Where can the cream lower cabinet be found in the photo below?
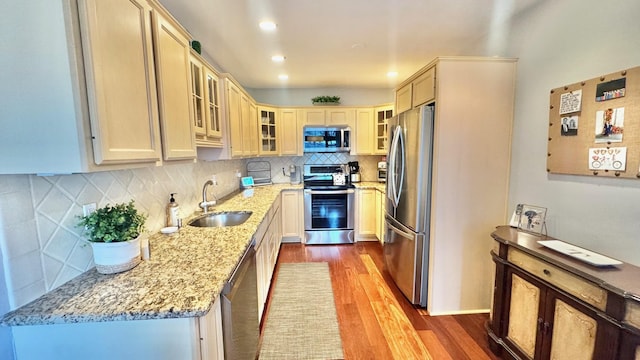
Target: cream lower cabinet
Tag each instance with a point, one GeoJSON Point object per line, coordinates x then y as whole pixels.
{"type": "Point", "coordinates": [292, 216]}
{"type": "Point", "coordinates": [268, 240]}
{"type": "Point", "coordinates": [380, 210]}
{"type": "Point", "coordinates": [162, 339]}
{"type": "Point", "coordinates": [172, 53]}
{"type": "Point", "coordinates": [366, 224]}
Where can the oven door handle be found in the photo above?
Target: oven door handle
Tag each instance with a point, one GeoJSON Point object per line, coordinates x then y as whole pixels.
{"type": "Point", "coordinates": [329, 192]}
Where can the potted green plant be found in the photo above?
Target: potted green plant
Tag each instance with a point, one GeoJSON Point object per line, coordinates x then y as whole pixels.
{"type": "Point", "coordinates": [326, 100]}
{"type": "Point", "coordinates": [114, 234]}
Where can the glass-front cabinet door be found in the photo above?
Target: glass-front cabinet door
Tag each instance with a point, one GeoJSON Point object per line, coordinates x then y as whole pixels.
{"type": "Point", "coordinates": [267, 125]}
{"type": "Point", "coordinates": [205, 103]}
{"type": "Point", "coordinates": [214, 128]}
{"type": "Point", "coordinates": [382, 116]}
{"type": "Point", "coordinates": [197, 96]}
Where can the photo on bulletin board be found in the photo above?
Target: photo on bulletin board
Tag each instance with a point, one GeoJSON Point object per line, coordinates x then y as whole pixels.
{"type": "Point", "coordinates": [611, 89]}
{"type": "Point", "coordinates": [569, 126]}
{"type": "Point", "coordinates": [532, 219]}
{"type": "Point", "coordinates": [609, 125]}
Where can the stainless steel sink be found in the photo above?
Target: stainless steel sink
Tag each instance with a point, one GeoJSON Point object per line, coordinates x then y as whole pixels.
{"type": "Point", "coordinates": [221, 219]}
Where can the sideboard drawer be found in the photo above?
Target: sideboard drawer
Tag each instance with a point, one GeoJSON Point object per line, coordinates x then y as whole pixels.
{"type": "Point", "coordinates": [582, 289]}
{"type": "Point", "coordinates": [632, 313]}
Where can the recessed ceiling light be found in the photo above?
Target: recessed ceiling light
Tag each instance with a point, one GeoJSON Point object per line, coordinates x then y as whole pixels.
{"type": "Point", "coordinates": [277, 58]}
{"type": "Point", "coordinates": [268, 25]}
{"type": "Point", "coordinates": [392, 74]}
{"type": "Point", "coordinates": [283, 76]}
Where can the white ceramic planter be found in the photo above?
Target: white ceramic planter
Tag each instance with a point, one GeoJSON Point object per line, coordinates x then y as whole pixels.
{"type": "Point", "coordinates": [115, 257]}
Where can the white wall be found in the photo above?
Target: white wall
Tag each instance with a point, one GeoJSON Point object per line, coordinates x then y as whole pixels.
{"type": "Point", "coordinates": [560, 43]}
{"type": "Point", "coordinates": [302, 97]}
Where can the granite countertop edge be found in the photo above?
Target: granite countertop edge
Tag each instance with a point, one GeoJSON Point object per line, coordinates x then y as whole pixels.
{"type": "Point", "coordinates": [183, 277]}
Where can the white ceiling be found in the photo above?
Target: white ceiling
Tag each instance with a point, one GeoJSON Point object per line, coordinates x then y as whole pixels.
{"type": "Point", "coordinates": [341, 43]}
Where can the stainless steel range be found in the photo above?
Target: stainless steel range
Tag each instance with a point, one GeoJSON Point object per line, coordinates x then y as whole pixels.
{"type": "Point", "coordinates": [328, 205]}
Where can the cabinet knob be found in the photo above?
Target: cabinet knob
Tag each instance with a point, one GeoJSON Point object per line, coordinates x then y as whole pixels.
{"type": "Point", "coordinates": [546, 272]}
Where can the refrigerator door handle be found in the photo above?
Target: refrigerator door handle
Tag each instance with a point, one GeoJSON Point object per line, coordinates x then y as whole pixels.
{"type": "Point", "coordinates": [401, 148]}
{"type": "Point", "coordinates": [401, 233]}
{"type": "Point", "coordinates": [393, 151]}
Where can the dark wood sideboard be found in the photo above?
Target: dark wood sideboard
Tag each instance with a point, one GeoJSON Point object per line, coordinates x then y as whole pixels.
{"type": "Point", "coordinates": [547, 305]}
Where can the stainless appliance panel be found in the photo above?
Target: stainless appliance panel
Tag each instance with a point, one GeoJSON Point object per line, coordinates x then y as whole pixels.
{"type": "Point", "coordinates": [326, 139]}
{"type": "Point", "coordinates": [408, 207]}
{"type": "Point", "coordinates": [329, 216]}
{"type": "Point", "coordinates": [240, 322]}
{"type": "Point", "coordinates": [409, 168]}
{"type": "Point", "coordinates": [404, 254]}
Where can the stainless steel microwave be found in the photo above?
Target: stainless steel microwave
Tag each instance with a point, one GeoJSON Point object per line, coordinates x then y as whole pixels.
{"type": "Point", "coordinates": [327, 139]}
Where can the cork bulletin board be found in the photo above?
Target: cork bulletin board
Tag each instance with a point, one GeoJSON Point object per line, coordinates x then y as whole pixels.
{"type": "Point", "coordinates": [594, 127]}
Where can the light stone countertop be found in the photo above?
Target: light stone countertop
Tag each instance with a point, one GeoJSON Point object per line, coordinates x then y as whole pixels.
{"type": "Point", "coordinates": [184, 275]}
{"type": "Point", "coordinates": [371, 185]}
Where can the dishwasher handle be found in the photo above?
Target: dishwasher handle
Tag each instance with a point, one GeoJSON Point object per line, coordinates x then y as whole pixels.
{"type": "Point", "coordinates": [239, 270]}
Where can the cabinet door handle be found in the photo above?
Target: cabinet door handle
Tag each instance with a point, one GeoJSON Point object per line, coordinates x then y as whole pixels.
{"type": "Point", "coordinates": [540, 324]}
{"type": "Point", "coordinates": [547, 328]}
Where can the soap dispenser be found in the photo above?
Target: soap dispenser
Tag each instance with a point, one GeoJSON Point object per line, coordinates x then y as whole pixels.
{"type": "Point", "coordinates": [173, 212]}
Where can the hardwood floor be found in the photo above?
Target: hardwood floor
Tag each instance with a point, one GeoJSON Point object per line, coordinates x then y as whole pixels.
{"type": "Point", "coordinates": [376, 320]}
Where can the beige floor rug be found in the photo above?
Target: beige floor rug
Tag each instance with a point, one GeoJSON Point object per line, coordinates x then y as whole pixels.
{"type": "Point", "coordinates": [302, 321]}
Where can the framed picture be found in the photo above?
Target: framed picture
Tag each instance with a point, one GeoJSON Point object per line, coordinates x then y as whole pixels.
{"type": "Point", "coordinates": [532, 219]}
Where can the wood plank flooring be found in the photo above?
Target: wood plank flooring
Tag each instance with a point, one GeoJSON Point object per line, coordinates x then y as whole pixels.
{"type": "Point", "coordinates": [376, 320]}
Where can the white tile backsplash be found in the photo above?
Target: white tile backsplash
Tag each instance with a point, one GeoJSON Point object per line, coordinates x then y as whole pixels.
{"type": "Point", "coordinates": [41, 245]}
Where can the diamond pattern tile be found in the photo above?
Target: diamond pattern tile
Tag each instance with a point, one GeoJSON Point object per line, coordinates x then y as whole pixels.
{"type": "Point", "coordinates": [54, 251]}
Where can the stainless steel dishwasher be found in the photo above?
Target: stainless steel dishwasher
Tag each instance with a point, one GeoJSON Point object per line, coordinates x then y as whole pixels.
{"type": "Point", "coordinates": [240, 309]}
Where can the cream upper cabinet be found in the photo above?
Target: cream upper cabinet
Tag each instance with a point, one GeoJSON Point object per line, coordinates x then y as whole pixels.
{"type": "Point", "coordinates": [121, 88]}
{"type": "Point", "coordinates": [174, 87]}
{"type": "Point", "coordinates": [242, 121]}
{"type": "Point", "coordinates": [364, 131]}
{"type": "Point", "coordinates": [252, 120]}
{"type": "Point", "coordinates": [424, 88]}
{"type": "Point", "coordinates": [234, 118]}
{"type": "Point", "coordinates": [268, 130]}
{"type": "Point", "coordinates": [205, 103]}
{"type": "Point", "coordinates": [403, 98]}
{"type": "Point", "coordinates": [418, 90]}
{"type": "Point", "coordinates": [337, 116]}
{"type": "Point", "coordinates": [290, 133]}
{"type": "Point", "coordinates": [381, 115]}
{"type": "Point", "coordinates": [197, 95]}
{"type": "Point", "coordinates": [99, 86]}
{"type": "Point", "coordinates": [212, 107]}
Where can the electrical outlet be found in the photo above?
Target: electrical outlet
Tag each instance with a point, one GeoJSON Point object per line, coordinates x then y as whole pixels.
{"type": "Point", "coordinates": [88, 208]}
{"type": "Point", "coordinates": [214, 179]}
{"type": "Point", "coordinates": [238, 173]}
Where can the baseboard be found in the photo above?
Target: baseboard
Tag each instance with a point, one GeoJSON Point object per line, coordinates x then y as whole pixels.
{"type": "Point", "coordinates": [460, 312]}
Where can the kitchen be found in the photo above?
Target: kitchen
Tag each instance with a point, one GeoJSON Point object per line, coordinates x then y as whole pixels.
{"type": "Point", "coordinates": [541, 39]}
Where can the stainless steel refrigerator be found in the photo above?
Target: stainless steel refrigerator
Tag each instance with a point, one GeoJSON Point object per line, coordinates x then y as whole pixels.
{"type": "Point", "coordinates": [406, 245]}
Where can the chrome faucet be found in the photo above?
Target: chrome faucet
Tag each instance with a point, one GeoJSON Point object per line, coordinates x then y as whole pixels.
{"type": "Point", "coordinates": [205, 203]}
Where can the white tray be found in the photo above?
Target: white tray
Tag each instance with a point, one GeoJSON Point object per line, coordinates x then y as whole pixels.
{"type": "Point", "coordinates": [579, 253]}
